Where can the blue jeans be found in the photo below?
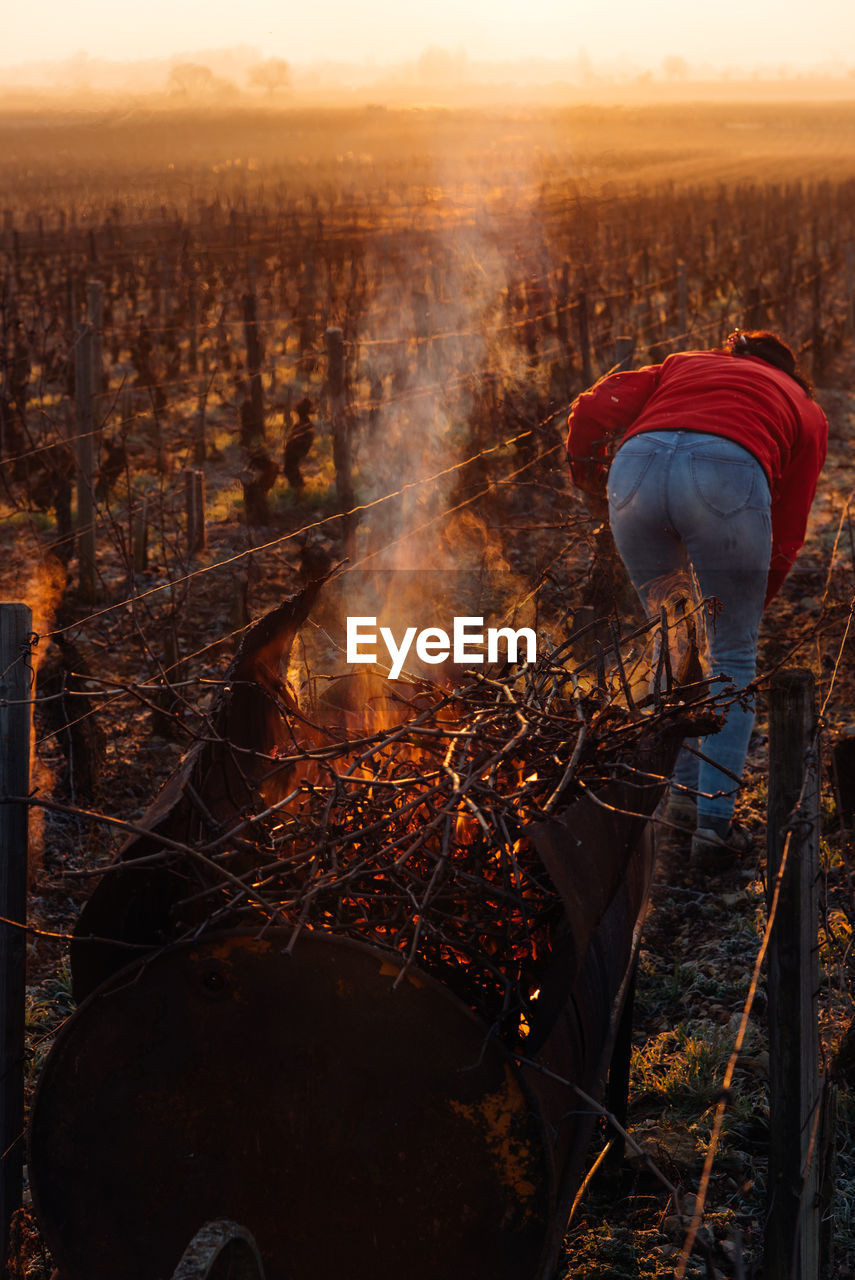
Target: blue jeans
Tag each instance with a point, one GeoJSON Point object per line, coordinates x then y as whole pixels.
{"type": "Point", "coordinates": [685, 500]}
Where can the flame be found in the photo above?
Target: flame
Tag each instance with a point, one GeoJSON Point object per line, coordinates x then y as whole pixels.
{"type": "Point", "coordinates": [40, 589]}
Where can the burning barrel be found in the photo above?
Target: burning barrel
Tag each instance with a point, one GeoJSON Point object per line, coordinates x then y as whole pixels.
{"type": "Point", "coordinates": [365, 1049]}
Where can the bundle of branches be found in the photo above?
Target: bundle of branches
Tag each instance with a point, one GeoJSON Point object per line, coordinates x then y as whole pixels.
{"type": "Point", "coordinates": [415, 818]}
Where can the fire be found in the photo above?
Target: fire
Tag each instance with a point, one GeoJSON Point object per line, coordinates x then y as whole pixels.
{"type": "Point", "coordinates": [40, 589]}
{"type": "Point", "coordinates": [395, 813]}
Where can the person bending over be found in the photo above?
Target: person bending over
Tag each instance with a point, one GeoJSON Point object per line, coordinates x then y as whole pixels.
{"type": "Point", "coordinates": [716, 458]}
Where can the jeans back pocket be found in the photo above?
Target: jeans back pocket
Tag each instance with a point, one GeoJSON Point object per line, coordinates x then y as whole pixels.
{"type": "Point", "coordinates": [725, 485]}
{"type": "Point", "coordinates": [627, 472]}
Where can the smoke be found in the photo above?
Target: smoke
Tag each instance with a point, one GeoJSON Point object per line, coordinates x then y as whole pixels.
{"type": "Point", "coordinates": [435, 354]}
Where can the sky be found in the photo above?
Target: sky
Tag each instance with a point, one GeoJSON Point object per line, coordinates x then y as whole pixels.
{"type": "Point", "coordinates": [727, 33]}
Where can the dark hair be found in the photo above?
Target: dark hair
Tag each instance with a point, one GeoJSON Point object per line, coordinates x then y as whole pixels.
{"type": "Point", "coordinates": [764, 345]}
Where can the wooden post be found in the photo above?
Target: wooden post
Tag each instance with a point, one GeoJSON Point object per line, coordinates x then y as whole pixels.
{"type": "Point", "coordinates": [126, 409]}
{"type": "Point", "coordinates": [64, 544]}
{"type": "Point", "coordinates": [164, 719]}
{"type": "Point", "coordinates": [85, 464]}
{"type": "Point", "coordinates": [817, 345]}
{"type": "Point", "coordinates": [163, 301]}
{"type": "Point", "coordinates": [193, 308]}
{"type": "Point", "coordinates": [421, 321]}
{"type": "Point", "coordinates": [561, 308]}
{"type": "Point", "coordinates": [682, 301]}
{"type": "Point", "coordinates": [584, 337]}
{"type": "Point", "coordinates": [792, 1224]}
{"type": "Point", "coordinates": [334, 340]}
{"type": "Point", "coordinates": [95, 304]}
{"type": "Point", "coordinates": [9, 291]}
{"type": "Point", "coordinates": [755, 313]}
{"type": "Point", "coordinates": [71, 298]}
{"type": "Point", "coordinates": [252, 430]}
{"type": "Point", "coordinates": [624, 350]}
{"type": "Point", "coordinates": [194, 500]}
{"type": "Point", "coordinates": [533, 302]}
{"type": "Point", "coordinates": [16, 624]}
{"type": "Point", "coordinates": [200, 448]}
{"type": "Point", "coordinates": [140, 536]}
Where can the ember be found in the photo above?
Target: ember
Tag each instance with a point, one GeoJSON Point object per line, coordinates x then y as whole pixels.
{"type": "Point", "coordinates": [400, 813]}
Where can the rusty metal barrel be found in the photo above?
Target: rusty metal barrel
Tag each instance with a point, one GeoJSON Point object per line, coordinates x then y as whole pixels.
{"type": "Point", "coordinates": [353, 1123]}
{"type": "Point", "coordinates": [343, 1106]}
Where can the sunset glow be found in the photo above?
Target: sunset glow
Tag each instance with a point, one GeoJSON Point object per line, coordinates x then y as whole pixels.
{"type": "Point", "coordinates": [732, 35]}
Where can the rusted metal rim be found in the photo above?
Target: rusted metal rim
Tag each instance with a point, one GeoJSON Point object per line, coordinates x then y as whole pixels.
{"type": "Point", "coordinates": [352, 1124]}
{"type": "Point", "coordinates": [220, 1249]}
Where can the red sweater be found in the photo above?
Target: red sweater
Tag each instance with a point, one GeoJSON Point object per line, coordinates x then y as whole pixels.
{"type": "Point", "coordinates": [739, 397]}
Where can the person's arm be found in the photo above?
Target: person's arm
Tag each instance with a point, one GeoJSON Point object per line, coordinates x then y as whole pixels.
{"type": "Point", "coordinates": [792, 501]}
{"type": "Point", "coordinates": [599, 417]}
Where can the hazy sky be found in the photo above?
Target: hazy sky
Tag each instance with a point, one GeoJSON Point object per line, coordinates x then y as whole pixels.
{"type": "Point", "coordinates": [741, 33]}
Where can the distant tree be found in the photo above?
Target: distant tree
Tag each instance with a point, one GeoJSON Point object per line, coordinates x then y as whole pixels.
{"type": "Point", "coordinates": [583, 67]}
{"type": "Point", "coordinates": [440, 67]}
{"type": "Point", "coordinates": [675, 67]}
{"type": "Point", "coordinates": [195, 80]}
{"type": "Point", "coordinates": [273, 74]}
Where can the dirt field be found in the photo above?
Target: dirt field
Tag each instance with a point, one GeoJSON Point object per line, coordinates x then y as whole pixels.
{"type": "Point", "coordinates": [435, 240]}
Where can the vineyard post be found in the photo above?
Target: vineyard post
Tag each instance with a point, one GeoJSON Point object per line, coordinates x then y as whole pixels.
{"type": "Point", "coordinates": [192, 304]}
{"type": "Point", "coordinates": [200, 449]}
{"type": "Point", "coordinates": [252, 432]}
{"type": "Point", "coordinates": [71, 300]}
{"type": "Point", "coordinates": [139, 538]}
{"type": "Point", "coordinates": [162, 289]}
{"type": "Point", "coordinates": [126, 409]}
{"type": "Point", "coordinates": [644, 267]}
{"type": "Point", "coordinates": [816, 341]}
{"type": "Point", "coordinates": [562, 303]}
{"type": "Point", "coordinates": [850, 286]}
{"type": "Point", "coordinates": [85, 464]}
{"type": "Point", "coordinates": [62, 488]}
{"type": "Point", "coordinates": [421, 318]}
{"type": "Point", "coordinates": [194, 500]}
{"type": "Point", "coordinates": [624, 351]}
{"type": "Point", "coordinates": [792, 1224]}
{"type": "Point", "coordinates": [16, 624]}
{"type": "Point", "coordinates": [584, 337]}
{"type": "Point", "coordinates": [682, 301]}
{"type": "Point", "coordinates": [334, 341]}
{"type": "Point", "coordinates": [9, 289]}
{"type": "Point", "coordinates": [95, 305]}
